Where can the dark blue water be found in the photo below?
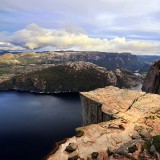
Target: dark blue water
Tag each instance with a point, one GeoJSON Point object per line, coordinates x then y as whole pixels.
{"type": "Point", "coordinates": [30, 124]}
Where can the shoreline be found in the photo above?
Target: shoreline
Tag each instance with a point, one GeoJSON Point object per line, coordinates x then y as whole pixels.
{"type": "Point", "coordinates": [57, 92]}
{"type": "Point", "coordinates": [39, 93]}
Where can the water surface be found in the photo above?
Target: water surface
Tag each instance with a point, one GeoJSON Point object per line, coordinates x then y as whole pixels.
{"type": "Point", "coordinates": [30, 124]}
{"type": "Point", "coordinates": [137, 88]}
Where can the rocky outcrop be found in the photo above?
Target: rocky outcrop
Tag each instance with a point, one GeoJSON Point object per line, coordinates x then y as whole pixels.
{"type": "Point", "coordinates": [132, 134]}
{"type": "Point", "coordinates": [66, 77]}
{"type": "Point", "coordinates": [93, 112]}
{"type": "Point", "coordinates": [152, 81]}
{"type": "Point", "coordinates": [127, 79]}
{"type": "Point", "coordinates": [108, 101]}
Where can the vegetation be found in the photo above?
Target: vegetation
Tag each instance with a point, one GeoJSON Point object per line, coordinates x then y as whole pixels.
{"type": "Point", "coordinates": [63, 78]}
{"type": "Point", "coordinates": [1, 74]}
{"type": "Point", "coordinates": [147, 145]}
{"type": "Point", "coordinates": [79, 133]}
{"type": "Point", "coordinates": [155, 141]}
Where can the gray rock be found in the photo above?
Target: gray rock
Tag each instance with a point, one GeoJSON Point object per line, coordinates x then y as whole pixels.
{"type": "Point", "coordinates": [132, 149]}
{"type": "Point", "coordinates": [73, 156]}
{"type": "Point", "coordinates": [136, 136]}
{"type": "Point", "coordinates": [110, 151]}
{"type": "Point", "coordinates": [143, 133]}
{"type": "Point", "coordinates": [126, 148]}
{"type": "Point", "coordinates": [95, 155]}
{"type": "Point", "coordinates": [137, 128]}
{"type": "Point", "coordinates": [152, 149]}
{"type": "Point", "coordinates": [71, 147]}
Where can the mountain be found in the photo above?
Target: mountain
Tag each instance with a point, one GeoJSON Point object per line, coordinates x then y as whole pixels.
{"type": "Point", "coordinates": [114, 61]}
{"type": "Point", "coordinates": [152, 81]}
{"type": "Point", "coordinates": [67, 77]}
{"type": "Point", "coordinates": [111, 61]}
{"type": "Point", "coordinates": [148, 60]}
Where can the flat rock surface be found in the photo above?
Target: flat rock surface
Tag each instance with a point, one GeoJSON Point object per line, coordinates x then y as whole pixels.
{"type": "Point", "coordinates": [137, 120]}
{"type": "Point", "coordinates": [114, 99]}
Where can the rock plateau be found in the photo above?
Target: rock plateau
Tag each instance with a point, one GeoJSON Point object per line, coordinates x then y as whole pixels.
{"type": "Point", "coordinates": [121, 124]}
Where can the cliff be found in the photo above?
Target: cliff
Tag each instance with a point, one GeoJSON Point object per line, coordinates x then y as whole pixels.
{"type": "Point", "coordinates": [152, 81]}
{"type": "Point", "coordinates": [126, 126]}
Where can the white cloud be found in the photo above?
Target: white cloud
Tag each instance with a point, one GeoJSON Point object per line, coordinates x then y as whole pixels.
{"type": "Point", "coordinates": [8, 46]}
{"type": "Point", "coordinates": [36, 37]}
{"type": "Point", "coordinates": [99, 18]}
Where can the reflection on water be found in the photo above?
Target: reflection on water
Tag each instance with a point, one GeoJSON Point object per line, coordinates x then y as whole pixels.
{"type": "Point", "coordinates": [137, 88]}
{"type": "Point", "coordinates": [30, 124]}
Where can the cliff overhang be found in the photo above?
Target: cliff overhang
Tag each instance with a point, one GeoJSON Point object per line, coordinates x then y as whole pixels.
{"type": "Point", "coordinates": [119, 123]}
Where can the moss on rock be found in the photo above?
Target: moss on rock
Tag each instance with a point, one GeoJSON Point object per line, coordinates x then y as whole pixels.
{"type": "Point", "coordinates": [79, 133]}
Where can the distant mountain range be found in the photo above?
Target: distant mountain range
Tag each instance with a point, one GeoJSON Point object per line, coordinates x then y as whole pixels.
{"type": "Point", "coordinates": [70, 71]}
{"type": "Point", "coordinates": [149, 58]}
{"type": "Point", "coordinates": [111, 61]}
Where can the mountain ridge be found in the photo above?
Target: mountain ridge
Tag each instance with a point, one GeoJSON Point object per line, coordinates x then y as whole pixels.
{"type": "Point", "coordinates": [108, 60]}
{"type": "Point", "coordinates": [68, 77]}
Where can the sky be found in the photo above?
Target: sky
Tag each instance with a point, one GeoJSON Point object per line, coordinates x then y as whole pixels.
{"type": "Point", "coordinates": [88, 25]}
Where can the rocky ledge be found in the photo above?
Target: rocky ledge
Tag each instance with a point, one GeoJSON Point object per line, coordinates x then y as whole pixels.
{"type": "Point", "coordinates": [122, 124]}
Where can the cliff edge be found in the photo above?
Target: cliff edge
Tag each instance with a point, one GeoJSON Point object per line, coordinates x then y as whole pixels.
{"type": "Point", "coordinates": [122, 124]}
{"type": "Point", "coordinates": [152, 81]}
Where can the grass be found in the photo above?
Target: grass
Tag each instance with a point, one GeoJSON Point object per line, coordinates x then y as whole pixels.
{"type": "Point", "coordinates": [155, 140]}
{"type": "Point", "coordinates": [79, 133]}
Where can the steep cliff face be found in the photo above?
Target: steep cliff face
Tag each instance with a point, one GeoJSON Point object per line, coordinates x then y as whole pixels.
{"type": "Point", "coordinates": [92, 111]}
{"type": "Point", "coordinates": [67, 77]}
{"type": "Point", "coordinates": [127, 79]}
{"type": "Point", "coordinates": [105, 104]}
{"type": "Point", "coordinates": [133, 134]}
{"type": "Point", "coordinates": [114, 61]}
{"type": "Point", "coordinates": [152, 81]}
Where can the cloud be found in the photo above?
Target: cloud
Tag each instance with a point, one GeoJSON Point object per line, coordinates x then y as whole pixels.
{"type": "Point", "coordinates": [130, 7]}
{"type": "Point", "coordinates": [35, 37]}
{"type": "Point", "coordinates": [99, 18]}
{"type": "Point", "coordinates": [10, 47]}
